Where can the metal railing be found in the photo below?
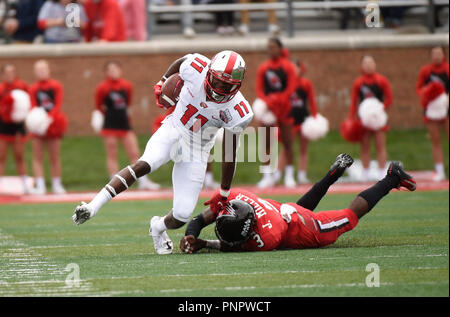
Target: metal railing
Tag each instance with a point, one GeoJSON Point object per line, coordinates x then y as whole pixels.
{"type": "Point", "coordinates": [289, 6]}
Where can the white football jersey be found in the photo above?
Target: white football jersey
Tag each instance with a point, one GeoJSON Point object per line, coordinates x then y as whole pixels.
{"type": "Point", "coordinates": [194, 115]}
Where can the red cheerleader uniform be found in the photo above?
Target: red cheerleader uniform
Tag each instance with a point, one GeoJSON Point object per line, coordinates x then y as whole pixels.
{"type": "Point", "coordinates": [8, 129]}
{"type": "Point", "coordinates": [303, 102]}
{"type": "Point", "coordinates": [369, 86]}
{"type": "Point", "coordinates": [432, 81]}
{"type": "Point", "coordinates": [275, 83]}
{"type": "Point", "coordinates": [49, 94]}
{"type": "Point", "coordinates": [112, 98]}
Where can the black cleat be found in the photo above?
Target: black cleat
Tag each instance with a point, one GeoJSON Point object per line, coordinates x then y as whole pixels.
{"type": "Point", "coordinates": [342, 162]}
{"type": "Point", "coordinates": [406, 180]}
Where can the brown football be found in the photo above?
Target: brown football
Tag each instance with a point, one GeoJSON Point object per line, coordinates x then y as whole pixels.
{"type": "Point", "coordinates": [170, 91]}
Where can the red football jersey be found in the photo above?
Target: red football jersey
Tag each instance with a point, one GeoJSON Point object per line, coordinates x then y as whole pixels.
{"type": "Point", "coordinates": [270, 227]}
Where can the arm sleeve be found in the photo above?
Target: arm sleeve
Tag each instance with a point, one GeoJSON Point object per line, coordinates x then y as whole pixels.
{"type": "Point", "coordinates": [421, 79]}
{"type": "Point", "coordinates": [260, 83]}
{"type": "Point", "coordinates": [291, 79]}
{"type": "Point", "coordinates": [312, 99]}
{"type": "Point", "coordinates": [354, 100]}
{"type": "Point", "coordinates": [59, 96]}
{"type": "Point", "coordinates": [99, 98]}
{"type": "Point", "coordinates": [130, 93]}
{"type": "Point", "coordinates": [387, 93]}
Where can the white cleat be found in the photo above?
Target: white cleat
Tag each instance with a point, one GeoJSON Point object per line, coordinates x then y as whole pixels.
{"type": "Point", "coordinates": [162, 242]}
{"type": "Point", "coordinates": [145, 183]}
{"type": "Point", "coordinates": [82, 213]}
{"type": "Point", "coordinates": [304, 180]}
{"type": "Point", "coordinates": [37, 191]}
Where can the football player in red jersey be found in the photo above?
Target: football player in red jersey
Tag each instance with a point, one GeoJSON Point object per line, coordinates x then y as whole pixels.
{"type": "Point", "coordinates": [435, 76]}
{"type": "Point", "coordinates": [251, 223]}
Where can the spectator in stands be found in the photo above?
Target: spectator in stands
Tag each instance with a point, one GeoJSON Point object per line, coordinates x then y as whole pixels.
{"type": "Point", "coordinates": [275, 83]}
{"type": "Point", "coordinates": [371, 85]}
{"type": "Point", "coordinates": [135, 16]}
{"type": "Point", "coordinates": [12, 134]}
{"type": "Point", "coordinates": [272, 28]}
{"type": "Point", "coordinates": [52, 19]}
{"type": "Point", "coordinates": [113, 97]}
{"type": "Point", "coordinates": [224, 19]}
{"type": "Point", "coordinates": [105, 21]}
{"type": "Point", "coordinates": [433, 82]}
{"type": "Point", "coordinates": [48, 93]}
{"type": "Point", "coordinates": [303, 103]}
{"type": "Point", "coordinates": [22, 26]}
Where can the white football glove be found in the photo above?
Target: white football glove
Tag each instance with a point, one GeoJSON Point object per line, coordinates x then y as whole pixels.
{"type": "Point", "coordinates": [82, 213]}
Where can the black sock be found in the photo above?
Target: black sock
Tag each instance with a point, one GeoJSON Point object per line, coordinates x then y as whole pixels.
{"type": "Point", "coordinates": [311, 199]}
{"type": "Point", "coordinates": [373, 194]}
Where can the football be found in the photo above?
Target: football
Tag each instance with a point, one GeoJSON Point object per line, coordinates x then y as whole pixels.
{"type": "Point", "coordinates": [171, 91]}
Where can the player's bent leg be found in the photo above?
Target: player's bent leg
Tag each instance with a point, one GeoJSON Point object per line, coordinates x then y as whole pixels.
{"type": "Point", "coordinates": [395, 178]}
{"type": "Point", "coordinates": [311, 199]}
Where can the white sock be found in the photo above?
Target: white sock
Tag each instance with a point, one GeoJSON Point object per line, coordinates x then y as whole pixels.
{"type": "Point", "coordinates": [301, 175]}
{"type": "Point", "coordinates": [159, 226]}
{"type": "Point", "coordinates": [289, 171]}
{"type": "Point", "coordinates": [24, 180]}
{"type": "Point", "coordinates": [209, 177]}
{"type": "Point", "coordinates": [99, 200]}
{"type": "Point", "coordinates": [439, 167]}
{"type": "Point", "coordinates": [365, 174]}
{"type": "Point", "coordinates": [56, 182]}
{"type": "Point", "coordinates": [40, 183]}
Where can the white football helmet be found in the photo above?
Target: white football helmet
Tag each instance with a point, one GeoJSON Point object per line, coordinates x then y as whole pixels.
{"type": "Point", "coordinates": [225, 75]}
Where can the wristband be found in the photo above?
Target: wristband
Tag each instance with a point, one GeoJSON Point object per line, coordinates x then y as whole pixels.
{"type": "Point", "coordinates": [224, 192]}
{"type": "Point", "coordinates": [163, 78]}
{"type": "Point", "coordinates": [213, 244]}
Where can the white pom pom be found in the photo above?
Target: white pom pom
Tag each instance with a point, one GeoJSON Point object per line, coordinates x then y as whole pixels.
{"type": "Point", "coordinates": [38, 121]}
{"type": "Point", "coordinates": [97, 120]}
{"type": "Point", "coordinates": [437, 109]}
{"type": "Point", "coordinates": [262, 113]}
{"type": "Point", "coordinates": [372, 114]}
{"type": "Point", "coordinates": [315, 128]}
{"type": "Point", "coordinates": [21, 105]}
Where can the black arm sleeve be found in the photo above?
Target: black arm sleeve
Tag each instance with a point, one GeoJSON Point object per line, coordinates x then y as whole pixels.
{"type": "Point", "coordinates": [195, 226]}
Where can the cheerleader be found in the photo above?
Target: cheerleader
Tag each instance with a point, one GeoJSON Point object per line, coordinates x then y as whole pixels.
{"type": "Point", "coordinates": [274, 85]}
{"type": "Point", "coordinates": [113, 97]}
{"type": "Point", "coordinates": [47, 94]}
{"type": "Point", "coordinates": [371, 96]}
{"type": "Point", "coordinates": [303, 103]}
{"type": "Point", "coordinates": [12, 134]}
{"type": "Point", "coordinates": [432, 87]}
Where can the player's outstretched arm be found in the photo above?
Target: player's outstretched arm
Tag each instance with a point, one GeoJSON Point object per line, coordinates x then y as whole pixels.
{"type": "Point", "coordinates": [190, 243]}
{"type": "Point", "coordinates": [229, 149]}
{"type": "Point", "coordinates": [119, 182]}
{"type": "Point", "coordinates": [173, 68]}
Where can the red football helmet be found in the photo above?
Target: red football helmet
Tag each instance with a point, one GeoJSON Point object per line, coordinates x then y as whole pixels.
{"type": "Point", "coordinates": [224, 77]}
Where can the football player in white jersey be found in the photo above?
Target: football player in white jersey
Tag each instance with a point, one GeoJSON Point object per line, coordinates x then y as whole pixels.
{"type": "Point", "coordinates": [209, 100]}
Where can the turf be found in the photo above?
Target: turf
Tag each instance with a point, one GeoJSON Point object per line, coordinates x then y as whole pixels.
{"type": "Point", "coordinates": [83, 158]}
{"type": "Point", "coordinates": [406, 235]}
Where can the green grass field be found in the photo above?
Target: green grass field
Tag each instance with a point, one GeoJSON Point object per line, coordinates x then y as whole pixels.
{"type": "Point", "coordinates": [406, 235]}
{"type": "Point", "coordinates": [84, 168]}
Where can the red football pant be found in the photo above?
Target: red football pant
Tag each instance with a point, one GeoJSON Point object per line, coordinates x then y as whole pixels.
{"type": "Point", "coordinates": [313, 230]}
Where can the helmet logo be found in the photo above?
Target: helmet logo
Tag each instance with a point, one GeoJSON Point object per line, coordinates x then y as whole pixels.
{"type": "Point", "coordinates": [246, 228]}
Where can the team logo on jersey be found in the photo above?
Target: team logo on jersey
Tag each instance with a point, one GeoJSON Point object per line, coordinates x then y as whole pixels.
{"type": "Point", "coordinates": [203, 105]}
{"type": "Point", "coordinates": [225, 116]}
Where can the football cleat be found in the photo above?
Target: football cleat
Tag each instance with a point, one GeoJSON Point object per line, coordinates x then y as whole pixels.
{"type": "Point", "coordinates": [342, 162]}
{"type": "Point", "coordinates": [82, 213]}
{"type": "Point", "coordinates": [406, 180]}
{"type": "Point", "coordinates": [161, 242]}
{"type": "Point", "coordinates": [268, 180]}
